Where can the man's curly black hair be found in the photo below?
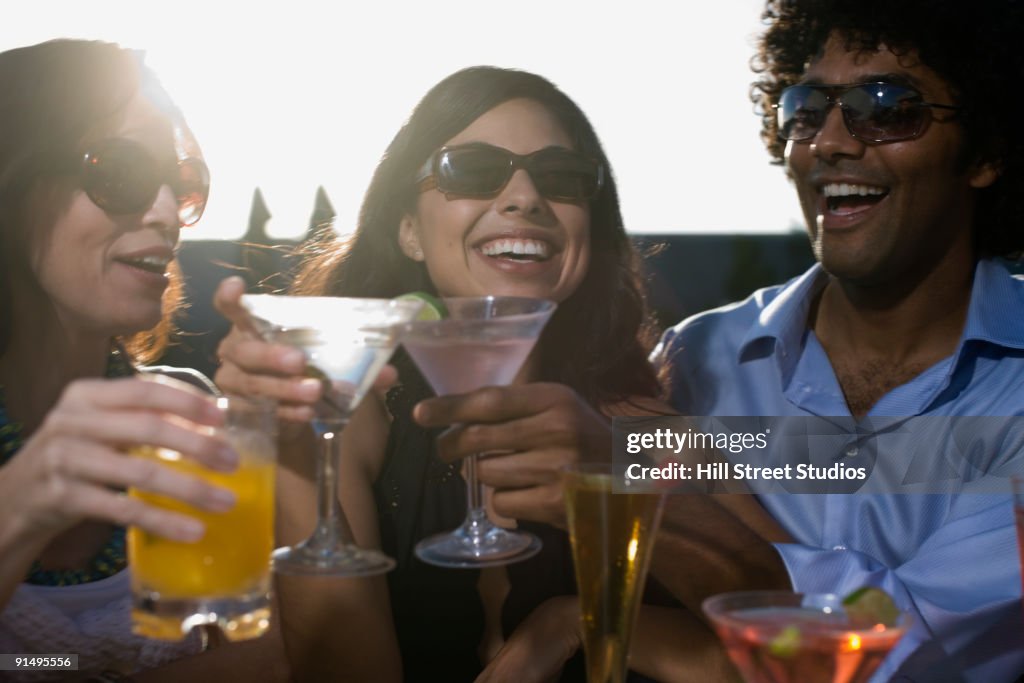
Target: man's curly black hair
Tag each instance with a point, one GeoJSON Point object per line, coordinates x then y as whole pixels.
{"type": "Point", "coordinates": [977, 46]}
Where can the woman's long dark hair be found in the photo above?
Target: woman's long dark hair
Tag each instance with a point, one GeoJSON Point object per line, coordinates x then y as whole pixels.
{"type": "Point", "coordinates": [598, 339]}
{"type": "Point", "coordinates": [52, 97]}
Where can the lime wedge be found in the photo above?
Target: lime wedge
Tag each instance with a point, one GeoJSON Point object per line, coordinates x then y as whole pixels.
{"type": "Point", "coordinates": [316, 373]}
{"type": "Point", "coordinates": [868, 606]}
{"type": "Point", "coordinates": [787, 644]}
{"type": "Point", "coordinates": [433, 308]}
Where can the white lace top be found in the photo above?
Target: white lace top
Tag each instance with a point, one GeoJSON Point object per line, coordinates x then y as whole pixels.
{"type": "Point", "coordinates": [92, 620]}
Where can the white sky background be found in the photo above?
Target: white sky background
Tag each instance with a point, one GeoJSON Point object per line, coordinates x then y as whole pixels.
{"type": "Point", "coordinates": [291, 95]}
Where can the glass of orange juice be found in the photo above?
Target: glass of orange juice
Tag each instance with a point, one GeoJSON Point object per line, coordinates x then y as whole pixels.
{"type": "Point", "coordinates": [224, 578]}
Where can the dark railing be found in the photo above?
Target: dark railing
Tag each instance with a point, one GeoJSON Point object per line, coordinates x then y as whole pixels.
{"type": "Point", "coordinates": [685, 273]}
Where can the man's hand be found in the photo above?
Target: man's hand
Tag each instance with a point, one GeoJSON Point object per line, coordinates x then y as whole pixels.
{"type": "Point", "coordinates": [540, 646]}
{"type": "Point", "coordinates": [529, 434]}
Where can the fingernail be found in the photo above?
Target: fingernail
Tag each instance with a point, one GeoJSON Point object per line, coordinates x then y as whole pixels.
{"type": "Point", "coordinates": [214, 414]}
{"type": "Point", "coordinates": [222, 500]}
{"type": "Point", "coordinates": [310, 388]}
{"type": "Point", "coordinates": [227, 458]}
{"type": "Point", "coordinates": [293, 359]}
{"type": "Point", "coordinates": [191, 530]}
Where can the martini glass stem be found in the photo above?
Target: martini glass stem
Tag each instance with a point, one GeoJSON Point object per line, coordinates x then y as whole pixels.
{"type": "Point", "coordinates": [329, 531]}
{"type": "Point", "coordinates": [476, 524]}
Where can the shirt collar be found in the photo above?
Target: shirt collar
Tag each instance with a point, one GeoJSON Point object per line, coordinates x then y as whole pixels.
{"type": "Point", "coordinates": [993, 314]}
{"type": "Point", "coordinates": [784, 318]}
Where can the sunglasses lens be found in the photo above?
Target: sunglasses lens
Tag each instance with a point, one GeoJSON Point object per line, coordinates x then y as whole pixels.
{"type": "Point", "coordinates": [881, 112]}
{"type": "Point", "coordinates": [482, 171]}
{"type": "Point", "coordinates": [564, 175]}
{"type": "Point", "coordinates": [121, 178]}
{"type": "Point", "coordinates": [801, 112]}
{"type": "Point", "coordinates": [473, 171]}
{"type": "Point", "coordinates": [874, 112]}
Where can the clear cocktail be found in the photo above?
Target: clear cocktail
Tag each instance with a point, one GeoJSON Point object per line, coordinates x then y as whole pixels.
{"type": "Point", "coordinates": [224, 578]}
{"type": "Point", "coordinates": [483, 342]}
{"type": "Point", "coordinates": [781, 637]}
{"type": "Point", "coordinates": [346, 342]}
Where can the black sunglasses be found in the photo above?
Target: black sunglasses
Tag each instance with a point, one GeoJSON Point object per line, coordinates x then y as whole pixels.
{"type": "Point", "coordinates": [481, 171]}
{"type": "Point", "coordinates": [872, 112]}
{"type": "Point", "coordinates": [121, 177]}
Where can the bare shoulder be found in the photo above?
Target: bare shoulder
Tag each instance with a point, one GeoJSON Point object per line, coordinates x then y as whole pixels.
{"type": "Point", "coordinates": [366, 436]}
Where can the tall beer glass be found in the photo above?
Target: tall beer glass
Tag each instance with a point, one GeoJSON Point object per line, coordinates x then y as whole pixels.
{"type": "Point", "coordinates": [612, 523]}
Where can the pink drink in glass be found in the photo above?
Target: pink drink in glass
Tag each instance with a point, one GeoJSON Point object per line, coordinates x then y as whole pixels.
{"type": "Point", "coordinates": [458, 367]}
{"type": "Point", "coordinates": [482, 341]}
{"type": "Point", "coordinates": [780, 637]}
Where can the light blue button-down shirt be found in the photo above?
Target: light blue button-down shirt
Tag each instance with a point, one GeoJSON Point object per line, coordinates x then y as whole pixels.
{"type": "Point", "coordinates": [951, 560]}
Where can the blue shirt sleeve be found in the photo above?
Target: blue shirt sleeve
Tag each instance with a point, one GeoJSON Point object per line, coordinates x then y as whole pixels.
{"type": "Point", "coordinates": [962, 589]}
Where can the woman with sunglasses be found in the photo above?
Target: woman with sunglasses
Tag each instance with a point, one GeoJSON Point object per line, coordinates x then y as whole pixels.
{"type": "Point", "coordinates": [98, 174]}
{"type": "Point", "coordinates": [497, 185]}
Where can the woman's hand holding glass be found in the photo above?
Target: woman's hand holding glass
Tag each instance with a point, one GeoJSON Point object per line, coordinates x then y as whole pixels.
{"type": "Point", "coordinates": [252, 366]}
{"type": "Point", "coordinates": [77, 464]}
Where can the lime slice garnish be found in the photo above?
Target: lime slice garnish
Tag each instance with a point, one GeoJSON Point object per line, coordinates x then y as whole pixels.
{"type": "Point", "coordinates": [433, 308]}
{"type": "Point", "coordinates": [787, 643]}
{"type": "Point", "coordinates": [868, 606]}
{"type": "Point", "coordinates": [316, 373]}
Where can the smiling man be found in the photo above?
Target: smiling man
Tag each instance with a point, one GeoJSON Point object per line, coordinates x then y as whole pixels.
{"type": "Point", "coordinates": [898, 123]}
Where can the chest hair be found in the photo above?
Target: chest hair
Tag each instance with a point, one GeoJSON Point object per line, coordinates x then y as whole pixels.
{"type": "Point", "coordinates": [865, 382]}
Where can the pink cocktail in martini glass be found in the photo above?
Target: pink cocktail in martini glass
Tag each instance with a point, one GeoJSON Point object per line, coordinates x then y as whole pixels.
{"type": "Point", "coordinates": [782, 637]}
{"type": "Point", "coordinates": [483, 342]}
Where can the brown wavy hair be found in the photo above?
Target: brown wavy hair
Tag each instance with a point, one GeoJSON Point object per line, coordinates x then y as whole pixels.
{"type": "Point", "coordinates": [54, 95]}
{"type": "Point", "coordinates": [974, 45]}
{"type": "Point", "coordinates": [598, 339]}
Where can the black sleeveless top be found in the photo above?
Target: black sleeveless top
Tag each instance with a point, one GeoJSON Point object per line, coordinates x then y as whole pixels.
{"type": "Point", "coordinates": [437, 612]}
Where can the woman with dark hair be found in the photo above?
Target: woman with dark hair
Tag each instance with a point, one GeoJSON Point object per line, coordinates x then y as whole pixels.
{"type": "Point", "coordinates": [497, 184]}
{"type": "Point", "coordinates": [600, 349]}
{"type": "Point", "coordinates": [98, 174]}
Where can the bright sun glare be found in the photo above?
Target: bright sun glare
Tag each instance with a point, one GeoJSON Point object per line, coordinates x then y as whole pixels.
{"type": "Point", "coordinates": [291, 96]}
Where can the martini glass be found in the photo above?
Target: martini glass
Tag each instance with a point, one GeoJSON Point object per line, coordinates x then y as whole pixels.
{"type": "Point", "coordinates": [782, 637]}
{"type": "Point", "coordinates": [483, 342]}
{"type": "Point", "coordinates": [346, 342]}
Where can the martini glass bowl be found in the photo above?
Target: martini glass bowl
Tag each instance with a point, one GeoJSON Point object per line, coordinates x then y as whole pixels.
{"type": "Point", "coordinates": [782, 637]}
{"type": "Point", "coordinates": [346, 342]}
{"type": "Point", "coordinates": [482, 342]}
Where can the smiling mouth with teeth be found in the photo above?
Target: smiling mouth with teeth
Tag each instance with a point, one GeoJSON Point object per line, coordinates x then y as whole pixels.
{"type": "Point", "coordinates": [517, 249]}
{"type": "Point", "coordinates": [839, 196]}
{"type": "Point", "coordinates": [152, 264]}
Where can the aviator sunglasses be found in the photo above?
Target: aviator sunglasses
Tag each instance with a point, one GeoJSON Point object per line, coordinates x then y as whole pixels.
{"type": "Point", "coordinates": [872, 112]}
{"type": "Point", "coordinates": [481, 171]}
{"type": "Point", "coordinates": [121, 177]}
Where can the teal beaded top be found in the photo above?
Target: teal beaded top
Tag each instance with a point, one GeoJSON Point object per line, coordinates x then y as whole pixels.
{"type": "Point", "coordinates": [111, 558]}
